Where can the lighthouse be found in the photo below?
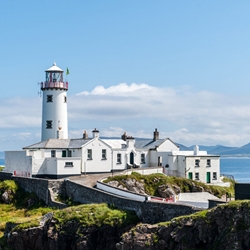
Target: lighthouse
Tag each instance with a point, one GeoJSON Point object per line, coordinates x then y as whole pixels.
{"type": "Point", "coordinates": [54, 109]}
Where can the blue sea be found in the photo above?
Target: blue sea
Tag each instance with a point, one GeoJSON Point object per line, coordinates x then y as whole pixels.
{"type": "Point", "coordinates": [238, 167]}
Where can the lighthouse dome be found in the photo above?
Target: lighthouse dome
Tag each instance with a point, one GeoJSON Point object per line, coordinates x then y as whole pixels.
{"type": "Point", "coordinates": [54, 68]}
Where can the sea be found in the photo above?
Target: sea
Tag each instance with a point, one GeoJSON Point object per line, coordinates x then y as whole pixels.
{"type": "Point", "coordinates": [238, 167]}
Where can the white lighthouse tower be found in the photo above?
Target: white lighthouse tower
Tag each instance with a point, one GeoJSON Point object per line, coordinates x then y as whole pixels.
{"type": "Point", "coordinates": [54, 110]}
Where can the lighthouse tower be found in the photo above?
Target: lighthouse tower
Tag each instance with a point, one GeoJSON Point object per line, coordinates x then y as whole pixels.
{"type": "Point", "coordinates": [54, 109]}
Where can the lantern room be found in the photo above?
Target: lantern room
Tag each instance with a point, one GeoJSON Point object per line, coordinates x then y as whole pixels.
{"type": "Point", "coordinates": [54, 79]}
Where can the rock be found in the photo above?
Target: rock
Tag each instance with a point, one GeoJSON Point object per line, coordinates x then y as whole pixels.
{"type": "Point", "coordinates": [166, 191]}
{"type": "Point", "coordinates": [222, 228]}
{"type": "Point", "coordinates": [196, 188]}
{"type": "Point", "coordinates": [6, 197]}
{"type": "Point", "coordinates": [113, 183]}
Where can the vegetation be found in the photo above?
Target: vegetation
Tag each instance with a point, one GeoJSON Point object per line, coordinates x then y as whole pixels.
{"type": "Point", "coordinates": [22, 207]}
{"type": "Point", "coordinates": [153, 181]}
{"type": "Point", "coordinates": [25, 211]}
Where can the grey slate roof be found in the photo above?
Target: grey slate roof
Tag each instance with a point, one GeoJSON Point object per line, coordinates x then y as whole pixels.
{"type": "Point", "coordinates": [78, 143]}
{"type": "Point", "coordinates": [148, 143]}
{"type": "Point", "coordinates": [59, 143]}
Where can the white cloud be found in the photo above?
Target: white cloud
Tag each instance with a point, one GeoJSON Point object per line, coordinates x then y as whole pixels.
{"type": "Point", "coordinates": [184, 115]}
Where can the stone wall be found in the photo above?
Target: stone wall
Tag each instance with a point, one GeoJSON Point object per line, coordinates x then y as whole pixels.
{"type": "Point", "coordinates": [44, 189]}
{"type": "Point", "coordinates": [148, 212]}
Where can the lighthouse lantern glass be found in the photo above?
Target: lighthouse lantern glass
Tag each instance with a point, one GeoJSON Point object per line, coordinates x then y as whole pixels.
{"type": "Point", "coordinates": [54, 76]}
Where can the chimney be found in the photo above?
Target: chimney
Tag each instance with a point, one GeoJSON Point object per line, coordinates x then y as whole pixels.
{"type": "Point", "coordinates": [156, 135]}
{"type": "Point", "coordinates": [124, 136]}
{"type": "Point", "coordinates": [95, 133]}
{"type": "Point", "coordinates": [85, 135]}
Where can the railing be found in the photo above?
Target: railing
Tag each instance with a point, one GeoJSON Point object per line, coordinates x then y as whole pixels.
{"type": "Point", "coordinates": [231, 177]}
{"type": "Point", "coordinates": [52, 85]}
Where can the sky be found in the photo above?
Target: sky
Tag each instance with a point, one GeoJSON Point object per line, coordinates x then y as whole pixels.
{"type": "Point", "coordinates": [135, 65]}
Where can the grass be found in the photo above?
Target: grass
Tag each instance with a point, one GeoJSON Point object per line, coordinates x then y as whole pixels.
{"type": "Point", "coordinates": [95, 214]}
{"type": "Point", "coordinates": [153, 181]}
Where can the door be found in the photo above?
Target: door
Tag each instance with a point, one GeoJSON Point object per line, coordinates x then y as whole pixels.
{"type": "Point", "coordinates": [208, 177]}
{"type": "Point", "coordinates": [190, 175]}
{"type": "Point", "coordinates": [131, 158]}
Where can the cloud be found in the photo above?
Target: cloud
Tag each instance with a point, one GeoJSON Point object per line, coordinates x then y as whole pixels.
{"type": "Point", "coordinates": [185, 115]}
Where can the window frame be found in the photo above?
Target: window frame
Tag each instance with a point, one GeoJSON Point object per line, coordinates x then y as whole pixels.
{"type": "Point", "coordinates": [196, 176]}
{"type": "Point", "coordinates": [143, 158]}
{"type": "Point", "coordinates": [208, 162]}
{"type": "Point", "coordinates": [104, 154]}
{"type": "Point", "coordinates": [119, 158]}
{"type": "Point", "coordinates": [53, 153]}
{"type": "Point", "coordinates": [69, 164]}
{"type": "Point", "coordinates": [197, 163]}
{"type": "Point", "coordinates": [214, 175]}
{"type": "Point", "coordinates": [89, 154]}
{"type": "Point", "coordinates": [49, 124]}
{"type": "Point", "coordinates": [49, 98]}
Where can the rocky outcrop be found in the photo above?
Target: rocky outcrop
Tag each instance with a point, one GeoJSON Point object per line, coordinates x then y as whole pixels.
{"type": "Point", "coordinates": [223, 228]}
{"type": "Point", "coordinates": [129, 184]}
{"type": "Point", "coordinates": [71, 235]}
{"type": "Point", "coordinates": [166, 191]}
{"type": "Point", "coordinates": [226, 227]}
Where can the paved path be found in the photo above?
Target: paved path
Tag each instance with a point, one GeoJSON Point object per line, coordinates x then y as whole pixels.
{"type": "Point", "coordinates": [88, 179]}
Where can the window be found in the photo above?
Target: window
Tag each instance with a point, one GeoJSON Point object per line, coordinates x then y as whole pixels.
{"type": "Point", "coordinates": [65, 98]}
{"type": "Point", "coordinates": [64, 153]}
{"type": "Point", "coordinates": [197, 176]}
{"type": "Point", "coordinates": [69, 164]}
{"type": "Point", "coordinates": [104, 154]}
{"type": "Point", "coordinates": [48, 124]}
{"type": "Point", "coordinates": [53, 153]}
{"type": "Point", "coordinates": [142, 158]}
{"type": "Point", "coordinates": [89, 154]}
{"type": "Point", "coordinates": [197, 163]}
{"type": "Point", "coordinates": [214, 176]}
{"type": "Point", "coordinates": [49, 98]}
{"type": "Point", "coordinates": [69, 153]}
{"type": "Point", "coordinates": [119, 158]}
{"type": "Point", "coordinates": [208, 163]}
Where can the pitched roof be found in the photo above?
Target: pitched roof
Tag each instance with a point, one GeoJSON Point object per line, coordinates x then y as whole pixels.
{"type": "Point", "coordinates": [59, 143]}
{"type": "Point", "coordinates": [148, 143]}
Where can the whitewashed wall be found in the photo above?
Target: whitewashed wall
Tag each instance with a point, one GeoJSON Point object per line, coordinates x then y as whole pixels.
{"type": "Point", "coordinates": [203, 168]}
{"type": "Point", "coordinates": [96, 164]}
{"type": "Point", "coordinates": [55, 111]}
{"type": "Point", "coordinates": [17, 161]}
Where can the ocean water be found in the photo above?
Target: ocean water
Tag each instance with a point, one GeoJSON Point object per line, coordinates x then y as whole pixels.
{"type": "Point", "coordinates": [238, 167]}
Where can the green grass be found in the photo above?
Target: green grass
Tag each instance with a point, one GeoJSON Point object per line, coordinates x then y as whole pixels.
{"type": "Point", "coordinates": [153, 181]}
{"type": "Point", "coordinates": [95, 214]}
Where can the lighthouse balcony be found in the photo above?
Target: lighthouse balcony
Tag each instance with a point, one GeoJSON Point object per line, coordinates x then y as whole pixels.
{"type": "Point", "coordinates": [54, 85]}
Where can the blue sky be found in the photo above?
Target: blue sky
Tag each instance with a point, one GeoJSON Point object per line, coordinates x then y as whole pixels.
{"type": "Point", "coordinates": [179, 66]}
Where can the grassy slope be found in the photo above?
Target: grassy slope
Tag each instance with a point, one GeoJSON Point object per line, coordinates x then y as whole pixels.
{"type": "Point", "coordinates": [153, 181]}
{"type": "Point", "coordinates": [17, 212]}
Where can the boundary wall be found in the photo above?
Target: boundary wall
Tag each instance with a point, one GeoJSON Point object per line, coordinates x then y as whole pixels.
{"type": "Point", "coordinates": [147, 211]}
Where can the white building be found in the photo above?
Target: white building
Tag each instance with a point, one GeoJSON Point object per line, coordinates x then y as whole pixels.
{"type": "Point", "coordinates": [56, 156]}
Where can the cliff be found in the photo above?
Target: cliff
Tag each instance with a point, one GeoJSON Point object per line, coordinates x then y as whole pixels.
{"type": "Point", "coordinates": [224, 227]}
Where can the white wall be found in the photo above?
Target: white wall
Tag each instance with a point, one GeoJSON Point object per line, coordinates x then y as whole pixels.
{"type": "Point", "coordinates": [17, 161]}
{"type": "Point", "coordinates": [55, 111]}
{"type": "Point", "coordinates": [96, 164]}
{"type": "Point", "coordinates": [203, 169]}
{"type": "Point", "coordinates": [57, 166]}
